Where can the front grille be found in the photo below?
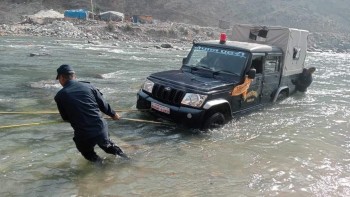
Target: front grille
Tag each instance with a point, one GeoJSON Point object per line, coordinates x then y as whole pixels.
{"type": "Point", "coordinates": [167, 94]}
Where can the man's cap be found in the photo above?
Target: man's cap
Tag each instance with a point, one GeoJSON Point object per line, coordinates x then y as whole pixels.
{"type": "Point", "coordinates": [64, 69]}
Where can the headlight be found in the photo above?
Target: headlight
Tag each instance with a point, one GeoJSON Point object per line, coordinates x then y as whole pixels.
{"type": "Point", "coordinates": [194, 100]}
{"type": "Point", "coordinates": [148, 86]}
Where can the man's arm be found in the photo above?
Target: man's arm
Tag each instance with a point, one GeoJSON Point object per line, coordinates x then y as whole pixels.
{"type": "Point", "coordinates": [104, 105]}
{"type": "Point", "coordinates": [61, 110]}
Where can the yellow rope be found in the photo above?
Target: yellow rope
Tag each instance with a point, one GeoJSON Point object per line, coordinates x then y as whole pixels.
{"type": "Point", "coordinates": [56, 112]}
{"type": "Point", "coordinates": [147, 121]}
{"type": "Point", "coordinates": [53, 122]}
{"type": "Point", "coordinates": [29, 112]}
{"type": "Point", "coordinates": [29, 124]}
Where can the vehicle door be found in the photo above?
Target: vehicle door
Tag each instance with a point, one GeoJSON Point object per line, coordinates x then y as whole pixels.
{"type": "Point", "coordinates": [272, 76]}
{"type": "Point", "coordinates": [253, 97]}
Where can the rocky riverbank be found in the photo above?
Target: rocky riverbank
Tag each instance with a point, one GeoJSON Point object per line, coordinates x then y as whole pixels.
{"type": "Point", "coordinates": [93, 31]}
{"type": "Point", "coordinates": [160, 32]}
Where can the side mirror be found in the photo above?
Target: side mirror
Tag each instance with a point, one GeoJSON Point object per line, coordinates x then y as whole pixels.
{"type": "Point", "coordinates": [184, 60]}
{"type": "Point", "coordinates": [251, 73]}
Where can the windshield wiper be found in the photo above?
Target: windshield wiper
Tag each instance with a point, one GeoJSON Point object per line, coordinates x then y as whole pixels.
{"type": "Point", "coordinates": [220, 71]}
{"type": "Point", "coordinates": [200, 66]}
{"type": "Point", "coordinates": [193, 68]}
{"type": "Point", "coordinates": [204, 67]}
{"type": "Point", "coordinates": [223, 71]}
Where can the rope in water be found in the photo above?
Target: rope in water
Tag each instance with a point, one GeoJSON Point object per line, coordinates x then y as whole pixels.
{"type": "Point", "coordinates": [147, 121]}
{"type": "Point", "coordinates": [54, 122]}
{"type": "Point", "coordinates": [29, 124]}
{"type": "Point", "coordinates": [56, 112]}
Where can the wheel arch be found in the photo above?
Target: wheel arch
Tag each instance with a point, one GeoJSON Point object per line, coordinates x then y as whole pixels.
{"type": "Point", "coordinates": [218, 105]}
{"type": "Point", "coordinates": [278, 91]}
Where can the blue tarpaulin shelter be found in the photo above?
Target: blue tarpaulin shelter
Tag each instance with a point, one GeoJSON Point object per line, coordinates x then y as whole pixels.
{"type": "Point", "coordinates": [79, 14]}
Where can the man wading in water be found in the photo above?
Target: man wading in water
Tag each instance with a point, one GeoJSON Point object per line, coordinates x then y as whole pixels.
{"type": "Point", "coordinates": [304, 80]}
{"type": "Point", "coordinates": [80, 104]}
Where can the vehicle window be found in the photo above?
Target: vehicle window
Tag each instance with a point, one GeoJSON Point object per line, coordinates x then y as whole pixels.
{"type": "Point", "coordinates": [272, 64]}
{"type": "Point", "coordinates": [218, 59]}
{"type": "Point", "coordinates": [296, 53]}
{"type": "Point", "coordinates": [197, 56]}
{"type": "Point", "coordinates": [257, 64]}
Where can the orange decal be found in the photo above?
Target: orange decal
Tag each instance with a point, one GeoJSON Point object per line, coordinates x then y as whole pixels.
{"type": "Point", "coordinates": [243, 88]}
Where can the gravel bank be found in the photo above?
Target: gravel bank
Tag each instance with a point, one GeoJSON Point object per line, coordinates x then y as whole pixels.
{"type": "Point", "coordinates": [160, 32]}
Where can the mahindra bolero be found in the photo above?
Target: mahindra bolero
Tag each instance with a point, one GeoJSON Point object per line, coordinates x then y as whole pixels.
{"type": "Point", "coordinates": [220, 78]}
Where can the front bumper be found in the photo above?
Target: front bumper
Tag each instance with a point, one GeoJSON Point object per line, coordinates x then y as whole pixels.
{"type": "Point", "coordinates": [182, 115]}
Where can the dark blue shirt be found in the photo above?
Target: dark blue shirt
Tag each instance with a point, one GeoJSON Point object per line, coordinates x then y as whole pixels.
{"type": "Point", "coordinates": [304, 81]}
{"type": "Point", "coordinates": [81, 104]}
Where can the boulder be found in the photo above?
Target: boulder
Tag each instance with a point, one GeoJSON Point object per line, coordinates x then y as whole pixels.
{"type": "Point", "coordinates": [38, 54]}
{"type": "Point", "coordinates": [166, 46]}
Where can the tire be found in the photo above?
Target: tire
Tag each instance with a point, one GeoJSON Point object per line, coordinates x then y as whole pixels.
{"type": "Point", "coordinates": [214, 120]}
{"type": "Point", "coordinates": [281, 96]}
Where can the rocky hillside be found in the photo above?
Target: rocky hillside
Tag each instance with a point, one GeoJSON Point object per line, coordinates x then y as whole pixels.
{"type": "Point", "coordinates": [328, 20]}
{"type": "Point", "coordinates": [314, 15]}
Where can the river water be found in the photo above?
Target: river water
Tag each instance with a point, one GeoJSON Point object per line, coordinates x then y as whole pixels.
{"type": "Point", "coordinates": [298, 147]}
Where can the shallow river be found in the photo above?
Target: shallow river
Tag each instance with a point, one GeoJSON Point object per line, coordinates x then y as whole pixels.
{"type": "Point", "coordinates": [298, 147]}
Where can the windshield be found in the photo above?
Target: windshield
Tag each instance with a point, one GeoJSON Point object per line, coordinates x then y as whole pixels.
{"type": "Point", "coordinates": [217, 59]}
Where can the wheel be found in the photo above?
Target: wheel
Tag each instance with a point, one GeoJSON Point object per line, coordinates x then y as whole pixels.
{"type": "Point", "coordinates": [214, 120]}
{"type": "Point", "coordinates": [282, 95]}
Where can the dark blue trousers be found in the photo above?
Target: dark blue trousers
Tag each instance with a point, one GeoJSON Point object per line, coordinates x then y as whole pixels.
{"type": "Point", "coordinates": [86, 147]}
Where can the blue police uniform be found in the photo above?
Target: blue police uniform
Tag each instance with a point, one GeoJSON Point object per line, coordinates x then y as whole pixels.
{"type": "Point", "coordinates": [81, 104]}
